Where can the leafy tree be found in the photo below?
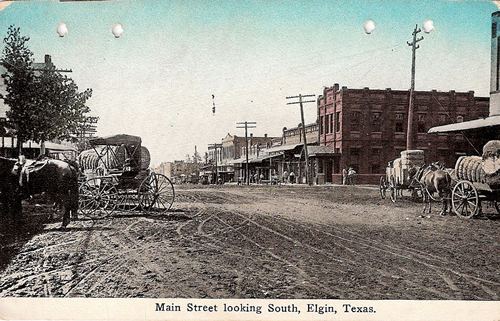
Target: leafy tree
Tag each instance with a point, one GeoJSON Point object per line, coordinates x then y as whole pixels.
{"type": "Point", "coordinates": [44, 105]}
{"type": "Point", "coordinates": [19, 79]}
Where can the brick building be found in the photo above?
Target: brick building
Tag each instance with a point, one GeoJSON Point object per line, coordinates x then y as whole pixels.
{"type": "Point", "coordinates": [366, 128]}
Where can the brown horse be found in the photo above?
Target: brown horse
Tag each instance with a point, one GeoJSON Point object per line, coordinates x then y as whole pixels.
{"type": "Point", "coordinates": [434, 179]}
{"type": "Point", "coordinates": [57, 179]}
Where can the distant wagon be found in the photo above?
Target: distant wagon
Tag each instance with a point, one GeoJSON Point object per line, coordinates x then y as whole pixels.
{"type": "Point", "coordinates": [116, 174]}
{"type": "Point", "coordinates": [399, 175]}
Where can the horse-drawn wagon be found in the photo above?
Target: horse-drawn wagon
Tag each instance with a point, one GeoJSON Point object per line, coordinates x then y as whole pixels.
{"type": "Point", "coordinates": [478, 180]}
{"type": "Point", "coordinates": [116, 174]}
{"type": "Point", "coordinates": [400, 175]}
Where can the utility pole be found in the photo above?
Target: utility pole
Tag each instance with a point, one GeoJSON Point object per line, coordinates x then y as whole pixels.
{"type": "Point", "coordinates": [216, 148]}
{"type": "Point", "coordinates": [414, 47]}
{"type": "Point", "coordinates": [246, 125]}
{"type": "Point", "coordinates": [301, 102]}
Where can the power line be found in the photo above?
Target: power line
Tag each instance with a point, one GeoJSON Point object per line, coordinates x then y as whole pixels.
{"type": "Point", "coordinates": [246, 125]}
{"type": "Point", "coordinates": [301, 102]}
{"type": "Point", "coordinates": [414, 47]}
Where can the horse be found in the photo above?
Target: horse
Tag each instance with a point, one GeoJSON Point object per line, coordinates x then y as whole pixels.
{"type": "Point", "coordinates": [55, 178]}
{"type": "Point", "coordinates": [434, 179]}
{"type": "Point", "coordinates": [9, 190]}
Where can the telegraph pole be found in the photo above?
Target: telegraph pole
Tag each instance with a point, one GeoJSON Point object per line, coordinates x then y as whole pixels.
{"type": "Point", "coordinates": [246, 125]}
{"type": "Point", "coordinates": [301, 102]}
{"type": "Point", "coordinates": [414, 46]}
{"type": "Point", "coordinates": [216, 147]}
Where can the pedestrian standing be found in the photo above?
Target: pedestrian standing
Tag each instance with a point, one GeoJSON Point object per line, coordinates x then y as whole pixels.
{"type": "Point", "coordinates": [350, 175]}
{"type": "Point", "coordinates": [292, 177]}
{"type": "Point", "coordinates": [261, 178]}
{"type": "Point", "coordinates": [285, 177]}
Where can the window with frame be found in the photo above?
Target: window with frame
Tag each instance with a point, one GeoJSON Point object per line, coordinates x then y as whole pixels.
{"type": "Point", "coordinates": [376, 121]}
{"type": "Point", "coordinates": [421, 128]}
{"type": "Point", "coordinates": [441, 119]}
{"type": "Point", "coordinates": [399, 123]}
{"type": "Point", "coordinates": [375, 168]}
{"type": "Point", "coordinates": [331, 123]}
{"type": "Point", "coordinates": [321, 125]}
{"type": "Point", "coordinates": [337, 121]}
{"type": "Point", "coordinates": [376, 152]}
{"type": "Point", "coordinates": [356, 119]}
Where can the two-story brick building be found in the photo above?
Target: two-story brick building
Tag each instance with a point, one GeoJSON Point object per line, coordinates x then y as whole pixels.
{"type": "Point", "coordinates": [366, 128]}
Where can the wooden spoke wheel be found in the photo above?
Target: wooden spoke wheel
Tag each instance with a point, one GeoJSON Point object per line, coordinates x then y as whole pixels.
{"type": "Point", "coordinates": [156, 193]}
{"type": "Point", "coordinates": [383, 187]}
{"type": "Point", "coordinates": [465, 199]}
{"type": "Point", "coordinates": [101, 196]}
{"type": "Point", "coordinates": [393, 189]}
{"type": "Point", "coordinates": [87, 204]}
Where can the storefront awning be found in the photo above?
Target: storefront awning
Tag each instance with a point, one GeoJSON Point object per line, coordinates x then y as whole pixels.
{"type": "Point", "coordinates": [282, 148]}
{"type": "Point", "coordinates": [317, 151]}
{"type": "Point", "coordinates": [489, 122]}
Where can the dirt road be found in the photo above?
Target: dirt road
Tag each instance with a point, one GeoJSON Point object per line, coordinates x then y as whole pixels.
{"type": "Point", "coordinates": [258, 242]}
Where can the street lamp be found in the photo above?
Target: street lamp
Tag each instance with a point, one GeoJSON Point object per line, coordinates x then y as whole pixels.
{"type": "Point", "coordinates": [428, 26]}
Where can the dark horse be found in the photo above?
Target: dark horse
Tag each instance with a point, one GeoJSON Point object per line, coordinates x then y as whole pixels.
{"type": "Point", "coordinates": [57, 179]}
{"type": "Point", "coordinates": [434, 179]}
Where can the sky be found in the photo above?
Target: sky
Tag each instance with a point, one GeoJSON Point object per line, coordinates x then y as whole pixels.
{"type": "Point", "coordinates": [157, 80]}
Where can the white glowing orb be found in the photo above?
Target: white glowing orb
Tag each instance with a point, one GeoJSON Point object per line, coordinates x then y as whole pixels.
{"type": "Point", "coordinates": [369, 26]}
{"type": "Point", "coordinates": [428, 26]}
{"type": "Point", "coordinates": [117, 30]}
{"type": "Point", "coordinates": [62, 29]}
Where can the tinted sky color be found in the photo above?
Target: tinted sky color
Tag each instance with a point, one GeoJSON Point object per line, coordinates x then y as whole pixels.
{"type": "Point", "coordinates": [156, 81]}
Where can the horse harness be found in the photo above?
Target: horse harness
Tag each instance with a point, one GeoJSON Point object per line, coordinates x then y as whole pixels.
{"type": "Point", "coordinates": [22, 170]}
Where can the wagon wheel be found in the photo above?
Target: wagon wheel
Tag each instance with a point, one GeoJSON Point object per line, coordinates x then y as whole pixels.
{"type": "Point", "coordinates": [87, 204]}
{"type": "Point", "coordinates": [156, 193]}
{"type": "Point", "coordinates": [383, 187]}
{"type": "Point", "coordinates": [394, 189]}
{"type": "Point", "coordinates": [104, 197]}
{"type": "Point", "coordinates": [465, 200]}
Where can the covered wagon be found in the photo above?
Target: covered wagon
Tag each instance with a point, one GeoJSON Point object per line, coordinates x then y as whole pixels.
{"type": "Point", "coordinates": [116, 174]}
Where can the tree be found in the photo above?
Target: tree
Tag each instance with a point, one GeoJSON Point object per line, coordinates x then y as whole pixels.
{"type": "Point", "coordinates": [44, 105]}
{"type": "Point", "coordinates": [59, 109]}
{"type": "Point", "coordinates": [19, 79]}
